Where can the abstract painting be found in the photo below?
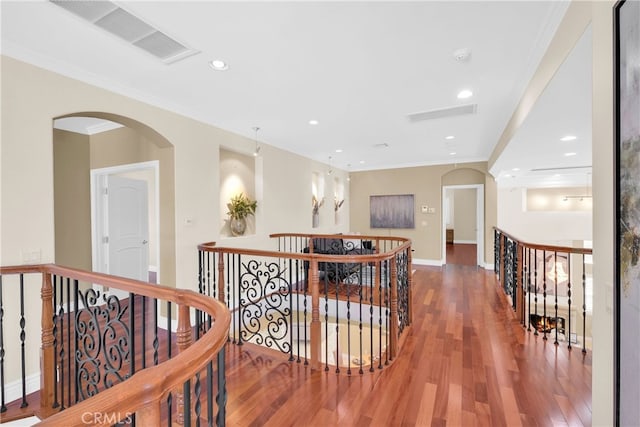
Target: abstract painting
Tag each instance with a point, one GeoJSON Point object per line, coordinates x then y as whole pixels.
{"type": "Point", "coordinates": [627, 128]}
{"type": "Point", "coordinates": [395, 211]}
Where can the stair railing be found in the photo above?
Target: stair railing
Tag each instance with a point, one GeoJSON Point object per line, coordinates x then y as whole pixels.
{"type": "Point", "coordinates": [549, 287]}
{"type": "Point", "coordinates": [110, 352]}
{"type": "Point", "coordinates": [347, 309]}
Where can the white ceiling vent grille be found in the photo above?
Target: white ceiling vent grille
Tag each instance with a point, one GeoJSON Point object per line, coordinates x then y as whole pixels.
{"type": "Point", "coordinates": [443, 112]}
{"type": "Point", "coordinates": [117, 21]}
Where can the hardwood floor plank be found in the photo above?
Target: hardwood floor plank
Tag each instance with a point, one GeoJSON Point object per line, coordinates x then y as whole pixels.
{"type": "Point", "coordinates": [466, 361]}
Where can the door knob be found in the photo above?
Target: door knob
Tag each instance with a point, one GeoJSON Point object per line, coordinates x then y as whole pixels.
{"type": "Point", "coordinates": [144, 242]}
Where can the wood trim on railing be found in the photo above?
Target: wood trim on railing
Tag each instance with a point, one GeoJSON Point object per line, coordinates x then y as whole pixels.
{"type": "Point", "coordinates": [374, 257]}
{"type": "Point", "coordinates": [552, 248]}
{"type": "Point", "coordinates": [142, 392]}
{"type": "Point", "coordinates": [47, 383]}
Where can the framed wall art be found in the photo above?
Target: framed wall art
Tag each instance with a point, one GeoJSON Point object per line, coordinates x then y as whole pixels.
{"type": "Point", "coordinates": [394, 211]}
{"type": "Point", "coordinates": [627, 140]}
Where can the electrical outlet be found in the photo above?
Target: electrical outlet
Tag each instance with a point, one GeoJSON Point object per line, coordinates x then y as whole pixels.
{"type": "Point", "coordinates": [432, 210]}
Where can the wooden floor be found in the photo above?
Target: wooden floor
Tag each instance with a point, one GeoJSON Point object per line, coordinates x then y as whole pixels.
{"type": "Point", "coordinates": [466, 362]}
{"type": "Point", "coordinates": [461, 253]}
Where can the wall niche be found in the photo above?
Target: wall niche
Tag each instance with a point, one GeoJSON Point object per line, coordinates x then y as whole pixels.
{"type": "Point", "coordinates": [237, 175]}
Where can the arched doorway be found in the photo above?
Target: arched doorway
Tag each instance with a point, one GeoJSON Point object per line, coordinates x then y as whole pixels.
{"type": "Point", "coordinates": [92, 141]}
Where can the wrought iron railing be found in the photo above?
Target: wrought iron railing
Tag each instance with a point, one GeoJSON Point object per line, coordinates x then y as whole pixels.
{"type": "Point", "coordinates": [333, 301]}
{"type": "Point", "coordinates": [112, 350]}
{"type": "Point", "coordinates": [550, 287]}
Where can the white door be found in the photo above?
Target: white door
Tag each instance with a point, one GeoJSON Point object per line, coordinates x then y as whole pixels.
{"type": "Point", "coordinates": [127, 229]}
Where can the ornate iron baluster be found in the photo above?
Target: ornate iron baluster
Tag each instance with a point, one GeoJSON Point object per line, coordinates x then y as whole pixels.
{"type": "Point", "coordinates": [535, 299]}
{"type": "Point", "coordinates": [186, 409]}
{"type": "Point", "coordinates": [544, 296]}
{"type": "Point", "coordinates": [23, 337]}
{"type": "Point", "coordinates": [197, 389]}
{"type": "Point", "coordinates": [210, 392]}
{"type": "Point", "coordinates": [156, 343]}
{"type": "Point", "coordinates": [555, 291]}
{"type": "Point", "coordinates": [221, 398]}
{"type": "Point", "coordinates": [567, 332]}
{"type": "Point", "coordinates": [584, 305]}
{"type": "Point", "coordinates": [144, 332]}
{"type": "Point", "coordinates": [528, 258]}
{"type": "Point", "coordinates": [70, 350]}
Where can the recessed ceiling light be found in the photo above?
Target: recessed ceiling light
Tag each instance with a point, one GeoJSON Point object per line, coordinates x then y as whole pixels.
{"type": "Point", "coordinates": [313, 122]}
{"type": "Point", "coordinates": [339, 150]}
{"type": "Point", "coordinates": [569, 154]}
{"type": "Point", "coordinates": [219, 65]}
{"type": "Point", "coordinates": [568, 138]}
{"type": "Point", "coordinates": [507, 176]}
{"type": "Point", "coordinates": [361, 162]}
{"type": "Point", "coordinates": [449, 137]}
{"type": "Point", "coordinates": [464, 94]}
{"type": "Point", "coordinates": [515, 169]}
{"type": "Point", "coordinates": [453, 153]}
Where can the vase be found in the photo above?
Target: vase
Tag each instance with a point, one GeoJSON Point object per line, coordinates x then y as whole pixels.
{"type": "Point", "coordinates": [238, 226]}
{"type": "Point", "coordinates": [315, 220]}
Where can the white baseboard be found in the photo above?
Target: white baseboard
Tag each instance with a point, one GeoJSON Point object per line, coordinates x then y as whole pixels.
{"type": "Point", "coordinates": [13, 390]}
{"type": "Point", "coordinates": [488, 266]}
{"type": "Point", "coordinates": [473, 242]}
{"type": "Point", "coordinates": [431, 262]}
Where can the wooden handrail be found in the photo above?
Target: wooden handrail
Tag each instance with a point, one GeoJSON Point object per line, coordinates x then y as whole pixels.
{"type": "Point", "coordinates": [142, 392]}
{"type": "Point", "coordinates": [551, 248]}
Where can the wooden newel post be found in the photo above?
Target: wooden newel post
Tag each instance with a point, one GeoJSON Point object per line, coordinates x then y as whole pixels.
{"type": "Point", "coordinates": [47, 367]}
{"type": "Point", "coordinates": [183, 340]}
{"type": "Point", "coordinates": [393, 327]}
{"type": "Point", "coordinates": [149, 415]}
{"type": "Point", "coordinates": [316, 339]}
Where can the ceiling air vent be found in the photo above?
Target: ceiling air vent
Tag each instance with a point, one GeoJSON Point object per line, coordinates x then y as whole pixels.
{"type": "Point", "coordinates": [117, 21]}
{"type": "Point", "coordinates": [443, 112]}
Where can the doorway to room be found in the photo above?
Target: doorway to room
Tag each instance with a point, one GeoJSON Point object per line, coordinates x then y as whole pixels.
{"type": "Point", "coordinates": [462, 224]}
{"type": "Point", "coordinates": [124, 201]}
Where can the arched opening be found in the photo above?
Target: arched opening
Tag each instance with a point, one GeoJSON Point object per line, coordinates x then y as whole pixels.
{"type": "Point", "coordinates": [107, 146]}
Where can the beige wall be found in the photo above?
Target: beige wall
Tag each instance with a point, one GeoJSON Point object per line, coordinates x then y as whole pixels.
{"type": "Point", "coordinates": [72, 203]}
{"type": "Point", "coordinates": [464, 218]}
{"type": "Point", "coordinates": [425, 183]}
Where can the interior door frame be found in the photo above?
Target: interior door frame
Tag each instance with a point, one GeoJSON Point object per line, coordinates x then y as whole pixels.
{"type": "Point", "coordinates": [479, 221]}
{"type": "Point", "coordinates": [99, 213]}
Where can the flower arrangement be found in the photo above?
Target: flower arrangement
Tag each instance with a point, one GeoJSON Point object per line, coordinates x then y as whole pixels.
{"type": "Point", "coordinates": [337, 204]}
{"type": "Point", "coordinates": [241, 206]}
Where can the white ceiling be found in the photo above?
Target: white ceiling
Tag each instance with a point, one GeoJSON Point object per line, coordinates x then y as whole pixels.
{"type": "Point", "coordinates": [359, 68]}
